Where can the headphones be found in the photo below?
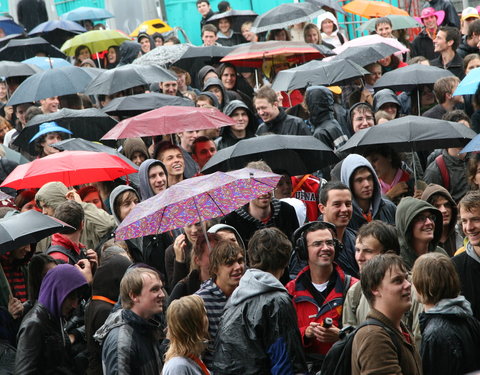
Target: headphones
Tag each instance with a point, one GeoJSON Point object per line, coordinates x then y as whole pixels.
{"type": "Point", "coordinates": [300, 241]}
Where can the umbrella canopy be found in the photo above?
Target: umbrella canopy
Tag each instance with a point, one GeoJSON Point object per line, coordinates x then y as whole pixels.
{"type": "Point", "coordinates": [126, 77]}
{"type": "Point", "coordinates": [49, 83]}
{"type": "Point", "coordinates": [70, 167]}
{"type": "Point", "coordinates": [332, 4]}
{"type": "Point", "coordinates": [90, 124]}
{"type": "Point", "coordinates": [87, 13]}
{"type": "Point", "coordinates": [297, 155]}
{"type": "Point", "coordinates": [237, 18]}
{"type": "Point", "coordinates": [472, 146]}
{"type": "Point", "coordinates": [398, 22]}
{"type": "Point", "coordinates": [196, 199]}
{"type": "Point", "coordinates": [17, 69]}
{"type": "Point", "coordinates": [169, 120]}
{"type": "Point", "coordinates": [57, 32]}
{"type": "Point", "coordinates": [151, 27]}
{"type": "Point", "coordinates": [469, 84]}
{"type": "Point", "coordinates": [22, 49]}
{"type": "Point", "coordinates": [9, 26]}
{"type": "Point", "coordinates": [27, 227]}
{"type": "Point", "coordinates": [364, 55]}
{"type": "Point", "coordinates": [133, 105]}
{"type": "Point", "coordinates": [6, 39]}
{"type": "Point", "coordinates": [371, 39]}
{"type": "Point", "coordinates": [95, 40]}
{"type": "Point", "coordinates": [372, 9]}
{"type": "Point", "coordinates": [162, 55]}
{"type": "Point", "coordinates": [14, 155]}
{"type": "Point", "coordinates": [45, 63]}
{"type": "Point", "coordinates": [285, 15]}
{"type": "Point", "coordinates": [318, 73]}
{"type": "Point", "coordinates": [410, 77]}
{"type": "Point", "coordinates": [198, 56]}
{"type": "Point", "coordinates": [411, 133]}
{"type": "Point", "coordinates": [255, 54]}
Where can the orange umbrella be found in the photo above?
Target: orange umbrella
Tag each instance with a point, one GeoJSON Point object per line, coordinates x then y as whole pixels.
{"type": "Point", "coordinates": [372, 9]}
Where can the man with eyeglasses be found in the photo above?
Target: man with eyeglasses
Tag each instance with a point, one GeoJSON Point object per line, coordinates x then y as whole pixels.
{"type": "Point", "coordinates": [419, 227]}
{"type": "Point", "coordinates": [319, 290]}
{"type": "Point", "coordinates": [361, 117]}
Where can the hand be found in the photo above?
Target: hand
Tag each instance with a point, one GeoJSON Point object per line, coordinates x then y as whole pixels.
{"type": "Point", "coordinates": [83, 265]}
{"type": "Point", "coordinates": [15, 307]}
{"type": "Point", "coordinates": [8, 109]}
{"type": "Point", "coordinates": [366, 96]}
{"type": "Point", "coordinates": [73, 196]}
{"type": "Point", "coordinates": [322, 334]}
{"type": "Point", "coordinates": [93, 259]}
{"type": "Point", "coordinates": [418, 193]}
{"type": "Point", "coordinates": [179, 246]}
{"type": "Point", "coordinates": [397, 190]}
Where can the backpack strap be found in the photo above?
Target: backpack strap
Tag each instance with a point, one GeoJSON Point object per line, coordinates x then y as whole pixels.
{"type": "Point", "coordinates": [393, 336]}
{"type": "Point", "coordinates": [440, 161]}
{"type": "Point", "coordinates": [73, 258]}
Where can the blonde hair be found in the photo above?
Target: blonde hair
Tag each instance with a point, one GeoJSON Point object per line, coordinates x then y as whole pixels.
{"type": "Point", "coordinates": [132, 283]}
{"type": "Point", "coordinates": [187, 327]}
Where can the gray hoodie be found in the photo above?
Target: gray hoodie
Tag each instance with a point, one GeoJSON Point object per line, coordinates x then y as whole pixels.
{"type": "Point", "coordinates": [383, 97]}
{"type": "Point", "coordinates": [145, 188]}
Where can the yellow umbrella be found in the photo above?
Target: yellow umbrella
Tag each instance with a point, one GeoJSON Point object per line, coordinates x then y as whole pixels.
{"type": "Point", "coordinates": [150, 27]}
{"type": "Point", "coordinates": [372, 9]}
{"type": "Point", "coordinates": [95, 40]}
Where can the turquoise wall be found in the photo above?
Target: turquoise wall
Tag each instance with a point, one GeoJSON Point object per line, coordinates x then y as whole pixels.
{"type": "Point", "coordinates": [63, 6]}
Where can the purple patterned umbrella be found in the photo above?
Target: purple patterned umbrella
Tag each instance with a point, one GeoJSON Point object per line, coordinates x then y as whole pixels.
{"type": "Point", "coordinates": [196, 199]}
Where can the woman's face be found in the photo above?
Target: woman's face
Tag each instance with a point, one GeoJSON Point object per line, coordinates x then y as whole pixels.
{"type": "Point", "coordinates": [229, 78]}
{"type": "Point", "coordinates": [281, 35]}
{"type": "Point", "coordinates": [475, 63]}
{"type": "Point", "coordinates": [224, 25]}
{"type": "Point", "coordinates": [327, 27]}
{"type": "Point", "coordinates": [84, 54]}
{"type": "Point", "coordinates": [112, 55]}
{"type": "Point", "coordinates": [386, 61]}
{"type": "Point", "coordinates": [427, 97]}
{"type": "Point", "coordinates": [311, 36]}
{"type": "Point", "coordinates": [476, 179]}
{"type": "Point", "coordinates": [381, 164]}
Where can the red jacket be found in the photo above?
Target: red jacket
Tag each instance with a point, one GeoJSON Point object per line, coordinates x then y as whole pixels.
{"type": "Point", "coordinates": [308, 310]}
{"type": "Point", "coordinates": [307, 192]}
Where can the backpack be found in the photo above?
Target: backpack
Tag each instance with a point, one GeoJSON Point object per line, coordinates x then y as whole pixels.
{"type": "Point", "coordinates": [440, 161]}
{"type": "Point", "coordinates": [338, 360]}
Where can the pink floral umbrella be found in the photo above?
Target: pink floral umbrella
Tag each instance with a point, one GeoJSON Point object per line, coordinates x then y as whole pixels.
{"type": "Point", "coordinates": [196, 199]}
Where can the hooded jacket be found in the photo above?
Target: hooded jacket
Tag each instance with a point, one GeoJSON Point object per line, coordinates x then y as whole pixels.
{"type": "Point", "coordinates": [202, 72]}
{"type": "Point", "coordinates": [133, 145]}
{"type": "Point", "coordinates": [98, 223]}
{"type": "Point", "coordinates": [219, 227]}
{"type": "Point", "coordinates": [350, 115]}
{"type": "Point", "coordinates": [150, 39]}
{"type": "Point", "coordinates": [464, 49]}
{"type": "Point", "coordinates": [258, 333]}
{"type": "Point", "coordinates": [145, 188]}
{"type": "Point", "coordinates": [454, 240]}
{"type": "Point", "coordinates": [284, 124]}
{"type": "Point", "coordinates": [382, 209]}
{"type": "Point", "coordinates": [336, 38]}
{"type": "Point", "coordinates": [320, 104]}
{"type": "Point", "coordinates": [227, 138]}
{"type": "Point", "coordinates": [216, 82]}
{"type": "Point", "coordinates": [383, 97]}
{"type": "Point", "coordinates": [128, 52]}
{"type": "Point", "coordinates": [450, 338]}
{"type": "Point", "coordinates": [212, 96]}
{"type": "Point", "coordinates": [407, 210]}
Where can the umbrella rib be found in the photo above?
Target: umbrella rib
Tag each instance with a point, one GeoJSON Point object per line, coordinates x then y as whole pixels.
{"type": "Point", "coordinates": [196, 208]}
{"type": "Point", "coordinates": [213, 200]}
{"type": "Point", "coordinates": [161, 217]}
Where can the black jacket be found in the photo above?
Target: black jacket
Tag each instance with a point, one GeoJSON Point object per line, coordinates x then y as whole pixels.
{"type": "Point", "coordinates": [464, 49]}
{"type": "Point", "coordinates": [468, 270]}
{"type": "Point", "coordinates": [284, 124]}
{"type": "Point", "coordinates": [31, 13]}
{"type": "Point", "coordinates": [455, 66]}
{"type": "Point", "coordinates": [422, 45]}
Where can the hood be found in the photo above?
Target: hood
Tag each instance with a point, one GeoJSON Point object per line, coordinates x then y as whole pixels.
{"type": "Point", "coordinates": [150, 39]}
{"type": "Point", "coordinates": [106, 281]}
{"type": "Point", "coordinates": [253, 283]}
{"type": "Point", "coordinates": [114, 195]}
{"type": "Point", "coordinates": [216, 82]}
{"type": "Point", "coordinates": [212, 96]}
{"type": "Point", "coordinates": [320, 104]}
{"type": "Point", "coordinates": [349, 165]}
{"type": "Point", "coordinates": [327, 16]}
{"type": "Point", "coordinates": [128, 52]}
{"type": "Point", "coordinates": [433, 189]}
{"type": "Point", "coordinates": [383, 97]}
{"type": "Point", "coordinates": [57, 284]}
{"type": "Point", "coordinates": [203, 72]}
{"type": "Point", "coordinates": [132, 145]}
{"type": "Point", "coordinates": [452, 306]}
{"type": "Point", "coordinates": [407, 209]}
{"type": "Point", "coordinates": [52, 194]}
{"type": "Point", "coordinates": [350, 112]}
{"type": "Point", "coordinates": [145, 189]}
{"type": "Point", "coordinates": [218, 227]}
{"type": "Point", "coordinates": [229, 109]}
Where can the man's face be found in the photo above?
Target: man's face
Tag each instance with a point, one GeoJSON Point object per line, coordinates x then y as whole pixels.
{"type": "Point", "coordinates": [93, 198]}
{"type": "Point", "coordinates": [365, 249]}
{"type": "Point", "coordinates": [224, 25]}
{"type": "Point", "coordinates": [384, 29]}
{"type": "Point", "coordinates": [229, 78]}
{"type": "Point", "coordinates": [430, 22]}
{"type": "Point", "coordinates": [394, 292]}
{"type": "Point", "coordinates": [187, 138]}
{"type": "Point", "coordinates": [362, 120]}
{"type": "Point", "coordinates": [157, 179]}
{"type": "Point", "coordinates": [128, 202]}
{"type": "Point", "coordinates": [390, 108]}
{"type": "Point", "coordinates": [240, 116]}
{"type": "Point", "coordinates": [173, 160]}
{"type": "Point", "coordinates": [150, 301]}
{"type": "Point", "coordinates": [21, 252]}
{"type": "Point", "coordinates": [50, 105]}
{"type": "Point", "coordinates": [203, 8]}
{"type": "Point", "coordinates": [338, 208]}
{"type": "Point", "coordinates": [230, 274]}
{"type": "Point", "coordinates": [70, 303]}
{"type": "Point", "coordinates": [203, 152]}
{"type": "Point", "coordinates": [470, 220]}
{"type": "Point", "coordinates": [374, 76]}
{"type": "Point", "coordinates": [266, 110]}
{"type": "Point", "coordinates": [169, 88]}
{"type": "Point", "coordinates": [445, 207]}
{"type": "Point", "coordinates": [46, 210]}
{"type": "Point", "coordinates": [203, 104]}
{"type": "Point", "coordinates": [440, 42]}
{"type": "Point", "coordinates": [423, 226]}
{"type": "Point", "coordinates": [217, 91]}
{"type": "Point", "coordinates": [363, 184]}
{"type": "Point", "coordinates": [209, 38]}
{"type": "Point", "coordinates": [321, 248]}
{"type": "Point", "coordinates": [51, 138]}
{"type": "Point", "coordinates": [284, 187]}
{"type": "Point", "coordinates": [263, 201]}
{"type": "Point", "coordinates": [138, 157]}
{"type": "Point", "coordinates": [145, 45]}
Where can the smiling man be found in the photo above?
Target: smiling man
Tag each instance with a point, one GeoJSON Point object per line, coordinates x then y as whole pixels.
{"type": "Point", "coordinates": [172, 157]}
{"type": "Point", "coordinates": [446, 43]}
{"type": "Point", "coordinates": [203, 148]}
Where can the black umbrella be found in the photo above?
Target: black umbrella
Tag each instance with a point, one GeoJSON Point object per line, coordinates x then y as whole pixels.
{"type": "Point", "coordinates": [126, 77]}
{"type": "Point", "coordinates": [90, 124]}
{"type": "Point", "coordinates": [49, 83]}
{"type": "Point", "coordinates": [8, 38]}
{"type": "Point", "coordinates": [133, 105]}
{"type": "Point", "coordinates": [333, 4]}
{"type": "Point", "coordinates": [364, 55]}
{"type": "Point", "coordinates": [195, 57]}
{"type": "Point", "coordinates": [286, 15]}
{"type": "Point", "coordinates": [316, 72]}
{"type": "Point", "coordinates": [17, 69]}
{"type": "Point", "coordinates": [57, 32]}
{"type": "Point", "coordinates": [294, 154]}
{"type": "Point", "coordinates": [237, 17]}
{"type": "Point", "coordinates": [22, 49]}
{"type": "Point", "coordinates": [28, 227]}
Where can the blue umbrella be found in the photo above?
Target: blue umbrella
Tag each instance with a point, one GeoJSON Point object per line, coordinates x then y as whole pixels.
{"type": "Point", "coordinates": [10, 27]}
{"type": "Point", "coordinates": [469, 85]}
{"type": "Point", "coordinates": [87, 13]}
{"type": "Point", "coordinates": [47, 62]}
{"type": "Point", "coordinates": [472, 146]}
{"type": "Point", "coordinates": [65, 25]}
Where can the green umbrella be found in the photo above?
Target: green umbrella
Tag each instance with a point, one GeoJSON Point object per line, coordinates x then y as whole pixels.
{"type": "Point", "coordinates": [398, 22]}
{"type": "Point", "coordinates": [95, 40]}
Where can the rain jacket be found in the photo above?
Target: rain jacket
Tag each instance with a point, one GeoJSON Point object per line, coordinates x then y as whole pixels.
{"type": "Point", "coordinates": [212, 96]}
{"type": "Point", "coordinates": [451, 338]}
{"type": "Point", "coordinates": [320, 104]}
{"type": "Point", "coordinates": [128, 52]}
{"type": "Point", "coordinates": [284, 124]}
{"type": "Point", "coordinates": [407, 209]}
{"type": "Point", "coordinates": [131, 344]}
{"type": "Point", "coordinates": [306, 302]}
{"type": "Point", "coordinates": [98, 222]}
{"type": "Point", "coordinates": [422, 45]}
{"type": "Point", "coordinates": [105, 292]}
{"type": "Point", "coordinates": [455, 66]}
{"type": "Point", "coordinates": [383, 97]}
{"type": "Point", "coordinates": [382, 209]}
{"type": "Point", "coordinates": [258, 333]}
{"type": "Point", "coordinates": [145, 188]}
{"type": "Point", "coordinates": [454, 240]}
{"type": "Point", "coordinates": [133, 145]}
{"type": "Point", "coordinates": [227, 138]}
{"type": "Point", "coordinates": [202, 73]}
{"type": "Point", "coordinates": [150, 39]}
{"type": "Point", "coordinates": [43, 346]}
{"type": "Point", "coordinates": [216, 82]}
{"type": "Point", "coordinates": [464, 49]}
{"type": "Point", "coordinates": [451, 16]}
{"type": "Point", "coordinates": [336, 39]}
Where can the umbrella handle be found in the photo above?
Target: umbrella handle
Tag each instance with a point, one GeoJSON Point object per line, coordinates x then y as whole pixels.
{"type": "Point", "coordinates": [2, 274]}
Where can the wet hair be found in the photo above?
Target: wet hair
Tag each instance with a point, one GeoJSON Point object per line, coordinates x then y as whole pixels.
{"type": "Point", "coordinates": [452, 33]}
{"type": "Point", "coordinates": [266, 92]}
{"type": "Point", "coordinates": [457, 115]}
{"type": "Point", "coordinates": [24, 197]}
{"type": "Point", "coordinates": [200, 247]}
{"type": "Point", "coordinates": [311, 26]}
{"type": "Point", "coordinates": [416, 60]}
{"type": "Point", "coordinates": [269, 250]}
{"type": "Point", "coordinates": [35, 273]}
{"type": "Point", "coordinates": [225, 253]}
{"type": "Point", "coordinates": [70, 212]}
{"type": "Point", "coordinates": [444, 86]}
{"type": "Point", "coordinates": [201, 139]}
{"type": "Point", "coordinates": [382, 20]}
{"type": "Point", "coordinates": [163, 146]}
{"type": "Point", "coordinates": [383, 233]}
{"type": "Point", "coordinates": [470, 201]}
{"type": "Point", "coordinates": [332, 185]}
{"type": "Point", "coordinates": [132, 283]}
{"type": "Point", "coordinates": [386, 152]}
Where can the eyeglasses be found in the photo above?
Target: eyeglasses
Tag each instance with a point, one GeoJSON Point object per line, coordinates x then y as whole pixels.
{"type": "Point", "coordinates": [316, 244]}
{"type": "Point", "coordinates": [362, 119]}
{"type": "Point", "coordinates": [423, 218]}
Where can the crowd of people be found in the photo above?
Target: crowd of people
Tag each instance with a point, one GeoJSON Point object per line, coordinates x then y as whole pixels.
{"type": "Point", "coordinates": [384, 242]}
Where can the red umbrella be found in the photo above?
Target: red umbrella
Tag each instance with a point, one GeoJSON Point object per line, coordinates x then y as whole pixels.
{"type": "Point", "coordinates": [69, 167]}
{"type": "Point", "coordinates": [169, 120]}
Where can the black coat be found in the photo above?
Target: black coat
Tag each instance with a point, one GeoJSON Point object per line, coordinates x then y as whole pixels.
{"type": "Point", "coordinates": [422, 45]}
{"type": "Point", "coordinates": [455, 66]}
{"type": "Point", "coordinates": [468, 270]}
{"type": "Point", "coordinates": [284, 124]}
{"type": "Point", "coordinates": [31, 13]}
